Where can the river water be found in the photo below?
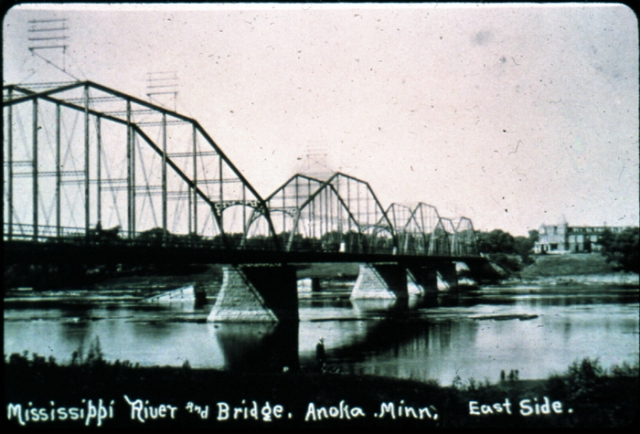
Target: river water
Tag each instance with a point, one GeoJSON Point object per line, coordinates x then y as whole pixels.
{"type": "Point", "coordinates": [535, 330]}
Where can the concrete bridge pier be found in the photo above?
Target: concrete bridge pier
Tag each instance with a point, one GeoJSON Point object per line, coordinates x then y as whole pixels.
{"type": "Point", "coordinates": [448, 276]}
{"type": "Point", "coordinates": [382, 281]}
{"type": "Point", "coordinates": [426, 276]}
{"type": "Point", "coordinates": [259, 293]}
{"type": "Point", "coordinates": [413, 286]}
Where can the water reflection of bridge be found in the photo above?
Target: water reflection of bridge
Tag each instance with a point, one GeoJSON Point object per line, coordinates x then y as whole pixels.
{"type": "Point", "coordinates": [95, 175]}
{"type": "Point", "coordinates": [369, 329]}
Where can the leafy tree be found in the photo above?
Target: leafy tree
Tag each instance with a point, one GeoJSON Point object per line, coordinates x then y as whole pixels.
{"type": "Point", "coordinates": [507, 262]}
{"type": "Point", "coordinates": [585, 378]}
{"type": "Point", "coordinates": [501, 246]}
{"type": "Point", "coordinates": [524, 245]}
{"type": "Point", "coordinates": [622, 249]}
{"type": "Point", "coordinates": [496, 241]}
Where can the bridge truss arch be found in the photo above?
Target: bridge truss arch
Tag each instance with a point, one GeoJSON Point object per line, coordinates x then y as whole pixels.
{"type": "Point", "coordinates": [340, 213]}
{"type": "Point", "coordinates": [440, 239]}
{"type": "Point", "coordinates": [284, 204]}
{"type": "Point", "coordinates": [464, 239]}
{"type": "Point", "coordinates": [376, 230]}
{"type": "Point", "coordinates": [81, 156]}
{"type": "Point", "coordinates": [415, 226]}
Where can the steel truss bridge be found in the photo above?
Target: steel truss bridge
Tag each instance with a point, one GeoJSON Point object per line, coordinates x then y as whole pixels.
{"type": "Point", "coordinates": [88, 165]}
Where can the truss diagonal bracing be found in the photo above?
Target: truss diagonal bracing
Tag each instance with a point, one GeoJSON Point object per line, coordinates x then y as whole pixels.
{"type": "Point", "coordinates": [80, 157]}
{"type": "Point", "coordinates": [416, 228]}
{"type": "Point", "coordinates": [339, 214]}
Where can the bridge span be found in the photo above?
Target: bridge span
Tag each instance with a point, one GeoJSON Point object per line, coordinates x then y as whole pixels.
{"type": "Point", "coordinates": [96, 176]}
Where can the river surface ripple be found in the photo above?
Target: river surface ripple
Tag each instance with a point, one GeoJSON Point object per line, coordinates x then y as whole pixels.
{"type": "Point", "coordinates": [536, 330]}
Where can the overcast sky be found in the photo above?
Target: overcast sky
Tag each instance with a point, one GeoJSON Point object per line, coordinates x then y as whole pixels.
{"type": "Point", "coordinates": [512, 115]}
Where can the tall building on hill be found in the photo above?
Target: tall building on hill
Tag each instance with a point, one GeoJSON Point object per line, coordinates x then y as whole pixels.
{"type": "Point", "coordinates": [562, 238]}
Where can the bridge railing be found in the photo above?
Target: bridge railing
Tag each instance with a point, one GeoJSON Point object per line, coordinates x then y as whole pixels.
{"type": "Point", "coordinates": [352, 243]}
{"type": "Point", "coordinates": [27, 232]}
{"type": "Point", "coordinates": [115, 237]}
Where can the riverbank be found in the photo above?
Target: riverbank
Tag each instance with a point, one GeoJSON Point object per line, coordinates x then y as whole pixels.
{"type": "Point", "coordinates": [573, 269]}
{"type": "Point", "coordinates": [119, 394]}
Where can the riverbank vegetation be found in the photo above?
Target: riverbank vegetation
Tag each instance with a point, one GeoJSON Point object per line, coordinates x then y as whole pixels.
{"type": "Point", "coordinates": [585, 394]}
{"type": "Point", "coordinates": [620, 252]}
{"type": "Point", "coordinates": [563, 265]}
{"type": "Point", "coordinates": [510, 253]}
{"type": "Point", "coordinates": [622, 249]}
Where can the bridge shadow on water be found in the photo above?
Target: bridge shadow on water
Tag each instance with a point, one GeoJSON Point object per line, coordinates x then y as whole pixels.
{"type": "Point", "coordinates": [368, 327]}
{"type": "Point", "coordinates": [399, 323]}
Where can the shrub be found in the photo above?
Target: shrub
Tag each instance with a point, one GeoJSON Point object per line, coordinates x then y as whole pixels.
{"type": "Point", "coordinates": [507, 262]}
{"type": "Point", "coordinates": [622, 249]}
{"type": "Point", "coordinates": [584, 378]}
{"type": "Point", "coordinates": [625, 370]}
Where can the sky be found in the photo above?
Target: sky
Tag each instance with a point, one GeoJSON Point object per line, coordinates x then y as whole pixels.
{"type": "Point", "coordinates": [512, 115]}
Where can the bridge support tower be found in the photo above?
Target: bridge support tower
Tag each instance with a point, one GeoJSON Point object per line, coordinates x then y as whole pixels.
{"type": "Point", "coordinates": [425, 276]}
{"type": "Point", "coordinates": [448, 275]}
{"type": "Point", "coordinates": [382, 281]}
{"type": "Point", "coordinates": [261, 293]}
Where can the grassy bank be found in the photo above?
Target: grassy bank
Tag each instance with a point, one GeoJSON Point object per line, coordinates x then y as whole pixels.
{"type": "Point", "coordinates": [579, 268]}
{"type": "Point", "coordinates": [585, 395]}
{"type": "Point", "coordinates": [570, 264]}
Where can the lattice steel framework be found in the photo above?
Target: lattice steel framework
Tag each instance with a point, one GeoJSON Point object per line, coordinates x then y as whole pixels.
{"type": "Point", "coordinates": [464, 239]}
{"type": "Point", "coordinates": [81, 156]}
{"type": "Point", "coordinates": [376, 230]}
{"type": "Point", "coordinates": [415, 228]}
{"type": "Point", "coordinates": [339, 214]}
{"type": "Point", "coordinates": [440, 240]}
{"type": "Point", "coordinates": [284, 205]}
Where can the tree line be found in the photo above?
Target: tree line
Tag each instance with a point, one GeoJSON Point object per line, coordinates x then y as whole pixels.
{"type": "Point", "coordinates": [621, 249]}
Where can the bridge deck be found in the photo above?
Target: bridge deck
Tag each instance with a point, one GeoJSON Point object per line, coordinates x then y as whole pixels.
{"type": "Point", "coordinates": [33, 253]}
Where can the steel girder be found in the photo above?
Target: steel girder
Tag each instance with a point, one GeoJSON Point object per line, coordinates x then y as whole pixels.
{"type": "Point", "coordinates": [373, 222]}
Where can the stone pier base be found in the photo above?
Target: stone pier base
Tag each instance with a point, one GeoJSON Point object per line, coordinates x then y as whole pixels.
{"type": "Point", "coordinates": [256, 294]}
{"type": "Point", "coordinates": [381, 281]}
{"type": "Point", "coordinates": [448, 276]}
{"type": "Point", "coordinates": [425, 276]}
{"type": "Point", "coordinates": [413, 285]}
